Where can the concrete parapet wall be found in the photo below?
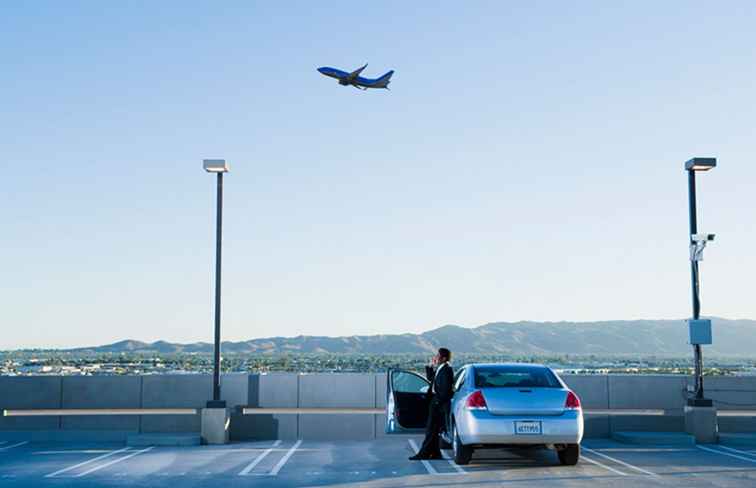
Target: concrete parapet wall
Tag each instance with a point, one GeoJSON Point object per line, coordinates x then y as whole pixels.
{"type": "Point", "coordinates": [25, 392]}
{"type": "Point", "coordinates": [666, 392]}
{"type": "Point", "coordinates": [101, 392]}
{"type": "Point", "coordinates": [180, 391]}
{"type": "Point", "coordinates": [732, 393]}
{"type": "Point", "coordinates": [268, 390]}
{"type": "Point", "coordinates": [290, 390]}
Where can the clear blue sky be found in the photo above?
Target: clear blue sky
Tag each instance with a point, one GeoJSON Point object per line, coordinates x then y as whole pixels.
{"type": "Point", "coordinates": [526, 165]}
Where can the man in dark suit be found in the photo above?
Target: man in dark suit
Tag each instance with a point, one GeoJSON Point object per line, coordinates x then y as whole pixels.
{"type": "Point", "coordinates": [441, 378]}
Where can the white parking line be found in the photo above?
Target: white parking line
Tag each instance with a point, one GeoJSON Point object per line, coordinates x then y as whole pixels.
{"type": "Point", "coordinates": [428, 467]}
{"type": "Point", "coordinates": [110, 463]}
{"type": "Point", "coordinates": [65, 470]}
{"type": "Point", "coordinates": [13, 445]}
{"type": "Point", "coordinates": [72, 451]}
{"type": "Point", "coordinates": [584, 458]}
{"type": "Point", "coordinates": [750, 460]}
{"type": "Point", "coordinates": [287, 456]}
{"type": "Point", "coordinates": [623, 463]}
{"type": "Point", "coordinates": [454, 465]}
{"type": "Point", "coordinates": [259, 458]}
{"type": "Point", "coordinates": [747, 453]}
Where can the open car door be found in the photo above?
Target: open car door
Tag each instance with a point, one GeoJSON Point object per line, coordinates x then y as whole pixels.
{"type": "Point", "coordinates": [407, 404]}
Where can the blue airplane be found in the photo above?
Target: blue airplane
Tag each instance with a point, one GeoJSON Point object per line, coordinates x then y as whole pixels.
{"type": "Point", "coordinates": [355, 79]}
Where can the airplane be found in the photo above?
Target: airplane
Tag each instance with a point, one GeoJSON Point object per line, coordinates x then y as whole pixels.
{"type": "Point", "coordinates": [355, 79]}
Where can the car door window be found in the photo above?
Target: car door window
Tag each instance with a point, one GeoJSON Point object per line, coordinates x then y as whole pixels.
{"type": "Point", "coordinates": [406, 382]}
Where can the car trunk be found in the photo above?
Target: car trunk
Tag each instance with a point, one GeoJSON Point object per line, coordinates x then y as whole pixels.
{"type": "Point", "coordinates": [525, 401]}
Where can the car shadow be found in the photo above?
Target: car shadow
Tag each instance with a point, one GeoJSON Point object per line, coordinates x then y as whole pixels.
{"type": "Point", "coordinates": [512, 459]}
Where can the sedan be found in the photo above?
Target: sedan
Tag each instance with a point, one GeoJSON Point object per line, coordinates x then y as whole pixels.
{"type": "Point", "coordinates": [494, 406]}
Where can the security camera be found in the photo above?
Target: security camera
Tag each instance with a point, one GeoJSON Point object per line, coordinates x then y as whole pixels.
{"type": "Point", "coordinates": [698, 244]}
{"type": "Point", "coordinates": [702, 237]}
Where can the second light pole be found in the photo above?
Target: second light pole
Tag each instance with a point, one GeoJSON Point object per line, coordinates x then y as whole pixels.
{"type": "Point", "coordinates": [699, 329]}
{"type": "Point", "coordinates": [218, 166]}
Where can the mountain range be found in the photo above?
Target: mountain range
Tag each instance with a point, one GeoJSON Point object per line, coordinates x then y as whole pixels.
{"type": "Point", "coordinates": [662, 337]}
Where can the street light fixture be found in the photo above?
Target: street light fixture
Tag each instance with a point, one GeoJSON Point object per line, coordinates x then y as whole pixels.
{"type": "Point", "coordinates": [699, 330]}
{"type": "Point", "coordinates": [218, 166]}
{"type": "Point", "coordinates": [700, 164]}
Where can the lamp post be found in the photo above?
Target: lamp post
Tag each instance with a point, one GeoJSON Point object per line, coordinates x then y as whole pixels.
{"type": "Point", "coordinates": [699, 330]}
{"type": "Point", "coordinates": [218, 166]}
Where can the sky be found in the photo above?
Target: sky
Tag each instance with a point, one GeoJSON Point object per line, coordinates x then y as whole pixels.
{"type": "Point", "coordinates": [527, 164]}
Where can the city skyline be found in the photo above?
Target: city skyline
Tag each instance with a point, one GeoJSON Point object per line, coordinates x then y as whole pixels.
{"type": "Point", "coordinates": [527, 164]}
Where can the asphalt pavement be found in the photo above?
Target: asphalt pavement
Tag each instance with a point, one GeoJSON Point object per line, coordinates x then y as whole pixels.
{"type": "Point", "coordinates": [378, 463]}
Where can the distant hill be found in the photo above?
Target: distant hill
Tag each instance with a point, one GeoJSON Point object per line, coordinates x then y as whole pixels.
{"type": "Point", "coordinates": [667, 337]}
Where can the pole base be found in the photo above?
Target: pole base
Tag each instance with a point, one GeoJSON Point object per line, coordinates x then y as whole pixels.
{"type": "Point", "coordinates": [701, 422]}
{"type": "Point", "coordinates": [216, 404]}
{"type": "Point", "coordinates": [215, 426]}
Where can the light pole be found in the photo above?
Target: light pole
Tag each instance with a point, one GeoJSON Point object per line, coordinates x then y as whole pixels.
{"type": "Point", "coordinates": [699, 330]}
{"type": "Point", "coordinates": [218, 166]}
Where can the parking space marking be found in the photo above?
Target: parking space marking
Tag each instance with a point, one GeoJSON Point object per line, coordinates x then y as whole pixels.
{"type": "Point", "coordinates": [428, 467]}
{"type": "Point", "coordinates": [13, 445]}
{"type": "Point", "coordinates": [451, 462]}
{"type": "Point", "coordinates": [110, 463]}
{"type": "Point", "coordinates": [285, 459]}
{"type": "Point", "coordinates": [593, 461]}
{"type": "Point", "coordinates": [72, 451]}
{"type": "Point", "coordinates": [256, 461]}
{"type": "Point", "coordinates": [747, 453]}
{"type": "Point", "coordinates": [65, 470]}
{"type": "Point", "coordinates": [623, 463]}
{"type": "Point", "coordinates": [723, 453]}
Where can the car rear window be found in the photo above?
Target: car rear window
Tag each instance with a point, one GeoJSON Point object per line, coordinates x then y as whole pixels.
{"type": "Point", "coordinates": [515, 377]}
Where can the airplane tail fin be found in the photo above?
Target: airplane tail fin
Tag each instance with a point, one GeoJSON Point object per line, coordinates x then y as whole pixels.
{"type": "Point", "coordinates": [385, 79]}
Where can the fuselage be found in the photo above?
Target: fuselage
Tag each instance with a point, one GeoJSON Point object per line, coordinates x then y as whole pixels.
{"type": "Point", "coordinates": [360, 81]}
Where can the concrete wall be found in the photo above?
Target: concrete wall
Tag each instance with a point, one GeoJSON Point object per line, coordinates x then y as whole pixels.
{"type": "Point", "coordinates": [101, 392]}
{"type": "Point", "coordinates": [666, 392]}
{"type": "Point", "coordinates": [174, 391]}
{"type": "Point", "coordinates": [330, 390]}
{"type": "Point", "coordinates": [344, 390]}
{"type": "Point", "coordinates": [732, 393]}
{"type": "Point", "coordinates": [30, 392]}
{"type": "Point", "coordinates": [268, 390]}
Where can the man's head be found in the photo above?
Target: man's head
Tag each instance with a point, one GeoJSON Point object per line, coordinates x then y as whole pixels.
{"type": "Point", "coordinates": [444, 355]}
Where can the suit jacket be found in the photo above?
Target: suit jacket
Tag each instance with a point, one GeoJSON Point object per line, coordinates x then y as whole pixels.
{"type": "Point", "coordinates": [442, 383]}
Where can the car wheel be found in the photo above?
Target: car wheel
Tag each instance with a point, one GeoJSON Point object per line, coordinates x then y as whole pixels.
{"type": "Point", "coordinates": [569, 455]}
{"type": "Point", "coordinates": [444, 440]}
{"type": "Point", "coordinates": [462, 453]}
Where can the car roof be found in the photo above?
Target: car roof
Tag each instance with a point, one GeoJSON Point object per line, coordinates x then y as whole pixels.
{"type": "Point", "coordinates": [532, 365]}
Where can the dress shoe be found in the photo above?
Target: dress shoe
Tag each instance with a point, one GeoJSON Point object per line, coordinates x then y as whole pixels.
{"type": "Point", "coordinates": [418, 457]}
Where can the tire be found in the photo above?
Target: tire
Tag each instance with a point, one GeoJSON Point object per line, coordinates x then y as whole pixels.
{"type": "Point", "coordinates": [569, 455]}
{"type": "Point", "coordinates": [462, 453]}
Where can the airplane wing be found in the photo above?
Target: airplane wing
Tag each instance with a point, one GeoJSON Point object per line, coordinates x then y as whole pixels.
{"type": "Point", "coordinates": [354, 74]}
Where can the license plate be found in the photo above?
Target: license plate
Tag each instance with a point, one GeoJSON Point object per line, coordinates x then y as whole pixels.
{"type": "Point", "coordinates": [528, 427]}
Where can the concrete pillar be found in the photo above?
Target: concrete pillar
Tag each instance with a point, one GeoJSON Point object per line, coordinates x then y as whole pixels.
{"type": "Point", "coordinates": [215, 425]}
{"type": "Point", "coordinates": [701, 422]}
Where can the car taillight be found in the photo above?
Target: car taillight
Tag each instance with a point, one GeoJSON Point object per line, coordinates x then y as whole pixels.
{"type": "Point", "coordinates": [476, 401]}
{"type": "Point", "coordinates": [572, 402]}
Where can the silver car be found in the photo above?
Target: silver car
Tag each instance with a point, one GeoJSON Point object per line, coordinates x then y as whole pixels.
{"type": "Point", "coordinates": [494, 406]}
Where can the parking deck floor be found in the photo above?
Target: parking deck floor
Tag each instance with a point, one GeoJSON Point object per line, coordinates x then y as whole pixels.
{"type": "Point", "coordinates": [379, 463]}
